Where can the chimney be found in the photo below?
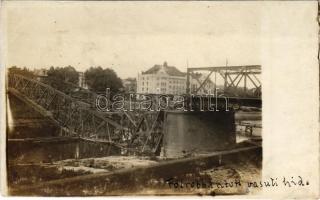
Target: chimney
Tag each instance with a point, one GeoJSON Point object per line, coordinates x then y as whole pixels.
{"type": "Point", "coordinates": [165, 64]}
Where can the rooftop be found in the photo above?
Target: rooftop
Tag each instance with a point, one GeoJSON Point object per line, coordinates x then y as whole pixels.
{"type": "Point", "coordinates": [170, 70]}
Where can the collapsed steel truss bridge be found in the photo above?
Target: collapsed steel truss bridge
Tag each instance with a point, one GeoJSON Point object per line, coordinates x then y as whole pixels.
{"type": "Point", "coordinates": [73, 108]}
{"type": "Point", "coordinates": [140, 131]}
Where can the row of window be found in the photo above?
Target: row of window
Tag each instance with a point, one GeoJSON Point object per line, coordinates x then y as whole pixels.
{"type": "Point", "coordinates": [178, 87]}
{"type": "Point", "coordinates": [162, 83]}
{"type": "Point", "coordinates": [164, 90]}
{"type": "Point", "coordinates": [171, 80]}
{"type": "Point", "coordinates": [178, 82]}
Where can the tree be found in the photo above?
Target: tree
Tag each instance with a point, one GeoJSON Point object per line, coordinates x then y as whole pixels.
{"type": "Point", "coordinates": [25, 72]}
{"type": "Point", "coordinates": [67, 74]}
{"type": "Point", "coordinates": [58, 75]}
{"type": "Point", "coordinates": [99, 80]}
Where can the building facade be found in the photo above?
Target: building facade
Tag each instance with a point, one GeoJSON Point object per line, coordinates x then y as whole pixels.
{"type": "Point", "coordinates": [195, 82]}
{"type": "Point", "coordinates": [164, 79]}
{"type": "Point", "coordinates": [40, 74]}
{"type": "Point", "coordinates": [82, 81]}
{"type": "Point", "coordinates": [130, 85]}
{"type": "Point", "coordinates": [161, 79]}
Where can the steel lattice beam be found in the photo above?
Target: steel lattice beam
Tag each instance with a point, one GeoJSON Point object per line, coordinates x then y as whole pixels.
{"type": "Point", "coordinates": [232, 75]}
{"type": "Point", "coordinates": [76, 118]}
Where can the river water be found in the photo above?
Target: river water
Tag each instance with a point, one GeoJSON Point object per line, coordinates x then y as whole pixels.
{"type": "Point", "coordinates": [30, 163]}
{"type": "Point", "coordinates": [48, 153]}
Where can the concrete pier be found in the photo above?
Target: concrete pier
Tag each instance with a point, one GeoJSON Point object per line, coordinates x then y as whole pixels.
{"type": "Point", "coordinates": [189, 132]}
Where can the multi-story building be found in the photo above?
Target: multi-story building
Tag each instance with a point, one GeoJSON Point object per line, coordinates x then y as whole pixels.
{"type": "Point", "coordinates": [164, 79]}
{"type": "Point", "coordinates": [161, 79]}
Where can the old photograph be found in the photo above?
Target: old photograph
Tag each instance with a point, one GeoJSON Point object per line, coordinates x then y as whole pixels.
{"type": "Point", "coordinates": [134, 98]}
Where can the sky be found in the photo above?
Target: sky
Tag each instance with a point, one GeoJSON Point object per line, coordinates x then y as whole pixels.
{"type": "Point", "coordinates": [131, 37]}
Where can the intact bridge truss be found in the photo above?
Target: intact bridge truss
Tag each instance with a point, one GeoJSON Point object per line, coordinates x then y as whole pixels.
{"type": "Point", "coordinates": [232, 77]}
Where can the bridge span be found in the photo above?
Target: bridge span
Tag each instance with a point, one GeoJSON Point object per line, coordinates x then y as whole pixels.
{"type": "Point", "coordinates": [141, 131]}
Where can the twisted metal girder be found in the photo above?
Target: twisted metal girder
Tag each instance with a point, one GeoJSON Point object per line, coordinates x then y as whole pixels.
{"type": "Point", "coordinates": [72, 90]}
{"type": "Point", "coordinates": [139, 130]}
{"type": "Point", "coordinates": [144, 127]}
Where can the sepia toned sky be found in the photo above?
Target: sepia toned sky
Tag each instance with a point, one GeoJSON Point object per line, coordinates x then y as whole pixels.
{"type": "Point", "coordinates": [130, 37]}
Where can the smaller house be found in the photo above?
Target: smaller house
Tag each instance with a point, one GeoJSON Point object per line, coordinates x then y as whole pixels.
{"type": "Point", "coordinates": [40, 74]}
{"type": "Point", "coordinates": [130, 85]}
